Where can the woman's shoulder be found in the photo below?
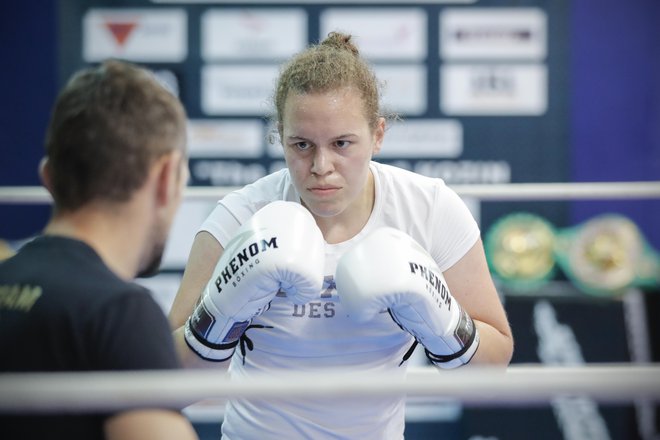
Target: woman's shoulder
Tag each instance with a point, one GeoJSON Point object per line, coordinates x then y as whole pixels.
{"type": "Point", "coordinates": [402, 175]}
{"type": "Point", "coordinates": [405, 183]}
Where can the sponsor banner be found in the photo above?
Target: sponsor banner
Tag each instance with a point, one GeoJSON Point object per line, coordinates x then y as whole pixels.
{"type": "Point", "coordinates": [312, 2]}
{"type": "Point", "coordinates": [494, 89]}
{"type": "Point", "coordinates": [189, 217]}
{"type": "Point", "coordinates": [493, 33]}
{"type": "Point", "coordinates": [404, 88]}
{"type": "Point", "coordinates": [253, 33]}
{"type": "Point", "coordinates": [239, 171]}
{"type": "Point", "coordinates": [455, 172]}
{"type": "Point", "coordinates": [224, 172]}
{"type": "Point", "coordinates": [409, 138]}
{"type": "Point", "coordinates": [429, 138]}
{"type": "Point", "coordinates": [142, 35]}
{"type": "Point", "coordinates": [226, 138]}
{"type": "Point", "coordinates": [381, 33]}
{"type": "Point", "coordinates": [238, 89]}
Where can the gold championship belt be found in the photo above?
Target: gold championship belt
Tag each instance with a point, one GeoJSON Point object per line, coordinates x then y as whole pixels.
{"type": "Point", "coordinates": [6, 251]}
{"type": "Point", "coordinates": [606, 255]}
{"type": "Point", "coordinates": [520, 251]}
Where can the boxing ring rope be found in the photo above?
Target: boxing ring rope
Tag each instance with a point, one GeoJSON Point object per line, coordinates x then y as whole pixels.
{"type": "Point", "coordinates": [480, 386]}
{"type": "Point", "coordinates": [485, 192]}
{"type": "Point", "coordinates": [521, 384]}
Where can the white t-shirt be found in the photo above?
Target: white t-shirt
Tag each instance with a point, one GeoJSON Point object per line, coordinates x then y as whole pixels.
{"type": "Point", "coordinates": [319, 335]}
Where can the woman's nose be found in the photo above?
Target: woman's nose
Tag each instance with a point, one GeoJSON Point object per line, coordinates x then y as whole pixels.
{"type": "Point", "coordinates": [322, 161]}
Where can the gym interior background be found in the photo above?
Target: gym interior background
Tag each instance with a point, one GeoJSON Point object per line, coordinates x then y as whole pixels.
{"type": "Point", "coordinates": [490, 92]}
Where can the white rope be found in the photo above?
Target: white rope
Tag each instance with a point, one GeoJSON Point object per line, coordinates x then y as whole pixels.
{"type": "Point", "coordinates": [305, 2]}
{"type": "Point", "coordinates": [561, 191]}
{"type": "Point", "coordinates": [521, 384]}
{"type": "Point", "coordinates": [492, 192]}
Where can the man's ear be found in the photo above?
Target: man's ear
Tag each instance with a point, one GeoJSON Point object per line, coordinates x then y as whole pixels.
{"type": "Point", "coordinates": [44, 174]}
{"type": "Point", "coordinates": [167, 170]}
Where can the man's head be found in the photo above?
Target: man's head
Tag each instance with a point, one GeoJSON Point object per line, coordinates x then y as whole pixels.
{"type": "Point", "coordinates": [114, 131]}
{"type": "Point", "coordinates": [109, 124]}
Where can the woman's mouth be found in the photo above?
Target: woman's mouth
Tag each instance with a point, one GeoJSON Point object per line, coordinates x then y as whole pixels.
{"type": "Point", "coordinates": [323, 190]}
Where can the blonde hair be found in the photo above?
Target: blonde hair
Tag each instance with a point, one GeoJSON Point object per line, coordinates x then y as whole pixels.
{"type": "Point", "coordinates": [330, 65]}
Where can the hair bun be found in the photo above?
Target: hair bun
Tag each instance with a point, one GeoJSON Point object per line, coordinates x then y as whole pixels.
{"type": "Point", "coordinates": [340, 41]}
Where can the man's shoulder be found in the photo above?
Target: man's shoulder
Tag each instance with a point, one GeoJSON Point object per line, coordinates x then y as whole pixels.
{"type": "Point", "coordinates": [64, 267]}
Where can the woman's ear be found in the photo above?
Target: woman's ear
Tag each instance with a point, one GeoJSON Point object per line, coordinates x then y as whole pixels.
{"type": "Point", "coordinates": [379, 135]}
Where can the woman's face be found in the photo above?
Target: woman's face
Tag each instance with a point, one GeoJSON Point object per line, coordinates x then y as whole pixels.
{"type": "Point", "coordinates": [328, 145]}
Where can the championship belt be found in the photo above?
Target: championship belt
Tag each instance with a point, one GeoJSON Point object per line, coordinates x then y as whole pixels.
{"type": "Point", "coordinates": [6, 251]}
{"type": "Point", "coordinates": [606, 255]}
{"type": "Point", "coordinates": [520, 251]}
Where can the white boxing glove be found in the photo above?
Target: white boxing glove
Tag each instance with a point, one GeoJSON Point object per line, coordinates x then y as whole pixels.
{"type": "Point", "coordinates": [279, 248]}
{"type": "Point", "coordinates": [389, 270]}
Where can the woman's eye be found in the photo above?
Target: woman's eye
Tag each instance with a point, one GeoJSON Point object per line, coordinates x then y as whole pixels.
{"type": "Point", "coordinates": [302, 145]}
{"type": "Point", "coordinates": [342, 144]}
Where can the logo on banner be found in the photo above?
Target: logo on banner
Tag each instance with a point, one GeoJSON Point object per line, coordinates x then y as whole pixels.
{"type": "Point", "coordinates": [143, 35]}
{"type": "Point", "coordinates": [493, 33]}
{"type": "Point", "coordinates": [383, 33]}
{"type": "Point", "coordinates": [120, 30]}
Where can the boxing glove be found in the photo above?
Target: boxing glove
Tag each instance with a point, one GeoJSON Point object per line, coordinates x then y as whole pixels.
{"type": "Point", "coordinates": [389, 271]}
{"type": "Point", "coordinates": [279, 249]}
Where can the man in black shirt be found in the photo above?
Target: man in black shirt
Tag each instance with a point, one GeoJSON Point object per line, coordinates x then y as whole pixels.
{"type": "Point", "coordinates": [116, 167]}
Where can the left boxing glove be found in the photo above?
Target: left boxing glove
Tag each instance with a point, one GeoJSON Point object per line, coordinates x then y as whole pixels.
{"type": "Point", "coordinates": [388, 270]}
{"type": "Point", "coordinates": [279, 248]}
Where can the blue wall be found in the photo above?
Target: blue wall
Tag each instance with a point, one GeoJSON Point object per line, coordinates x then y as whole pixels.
{"type": "Point", "coordinates": [615, 103]}
{"type": "Point", "coordinates": [28, 85]}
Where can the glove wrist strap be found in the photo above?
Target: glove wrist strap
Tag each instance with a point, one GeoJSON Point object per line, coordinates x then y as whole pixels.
{"type": "Point", "coordinates": [466, 332]}
{"type": "Point", "coordinates": [457, 359]}
{"type": "Point", "coordinates": [208, 350]}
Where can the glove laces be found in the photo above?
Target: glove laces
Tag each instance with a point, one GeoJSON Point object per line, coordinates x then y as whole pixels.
{"type": "Point", "coordinates": [245, 342]}
{"type": "Point", "coordinates": [411, 350]}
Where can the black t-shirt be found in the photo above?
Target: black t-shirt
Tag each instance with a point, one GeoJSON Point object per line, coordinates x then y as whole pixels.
{"type": "Point", "coordinates": [62, 309]}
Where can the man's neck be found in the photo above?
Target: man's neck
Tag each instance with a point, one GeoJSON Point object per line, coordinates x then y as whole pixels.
{"type": "Point", "coordinates": [111, 234]}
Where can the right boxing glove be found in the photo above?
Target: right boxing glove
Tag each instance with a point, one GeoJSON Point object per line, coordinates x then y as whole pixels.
{"type": "Point", "coordinates": [390, 271]}
{"type": "Point", "coordinates": [279, 248]}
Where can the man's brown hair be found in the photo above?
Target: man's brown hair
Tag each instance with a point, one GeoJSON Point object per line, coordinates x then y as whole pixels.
{"type": "Point", "coordinates": [109, 124]}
